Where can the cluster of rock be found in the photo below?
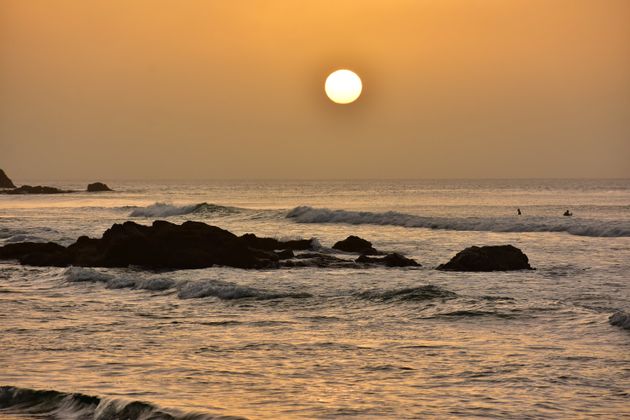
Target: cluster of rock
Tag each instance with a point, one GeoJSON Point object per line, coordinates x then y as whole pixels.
{"type": "Point", "coordinates": [8, 187]}
{"type": "Point", "coordinates": [189, 245]}
{"type": "Point", "coordinates": [165, 245]}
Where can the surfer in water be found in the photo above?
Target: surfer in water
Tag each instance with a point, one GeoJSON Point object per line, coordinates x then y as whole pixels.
{"type": "Point", "coordinates": [567, 213]}
{"type": "Point", "coordinates": [518, 211]}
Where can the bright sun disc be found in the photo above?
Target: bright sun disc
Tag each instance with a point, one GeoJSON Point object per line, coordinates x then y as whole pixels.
{"type": "Point", "coordinates": [343, 86]}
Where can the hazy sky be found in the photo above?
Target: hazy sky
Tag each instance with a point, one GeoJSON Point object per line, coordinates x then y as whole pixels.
{"type": "Point", "coordinates": [175, 89]}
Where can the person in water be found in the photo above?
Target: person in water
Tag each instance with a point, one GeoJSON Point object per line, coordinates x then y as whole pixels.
{"type": "Point", "coordinates": [568, 213]}
{"type": "Point", "coordinates": [518, 211]}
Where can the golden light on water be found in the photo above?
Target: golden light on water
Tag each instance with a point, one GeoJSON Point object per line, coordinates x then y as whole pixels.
{"type": "Point", "coordinates": [343, 86]}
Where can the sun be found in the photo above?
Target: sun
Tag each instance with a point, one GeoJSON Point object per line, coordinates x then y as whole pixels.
{"type": "Point", "coordinates": [343, 86]}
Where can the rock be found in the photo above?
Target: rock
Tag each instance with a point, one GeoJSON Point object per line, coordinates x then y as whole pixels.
{"type": "Point", "coordinates": [161, 245]}
{"type": "Point", "coordinates": [5, 181]}
{"type": "Point", "coordinates": [620, 319]}
{"type": "Point", "coordinates": [355, 244]}
{"type": "Point", "coordinates": [97, 187]}
{"type": "Point", "coordinates": [287, 254]}
{"type": "Point", "coordinates": [24, 249]}
{"type": "Point", "coordinates": [390, 260]}
{"type": "Point", "coordinates": [39, 189]}
{"type": "Point", "coordinates": [488, 258]}
{"type": "Point", "coordinates": [165, 245]}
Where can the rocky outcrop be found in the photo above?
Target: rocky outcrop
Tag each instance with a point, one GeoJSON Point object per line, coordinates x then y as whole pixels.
{"type": "Point", "coordinates": [161, 245]}
{"type": "Point", "coordinates": [488, 258]}
{"type": "Point", "coordinates": [355, 244]}
{"type": "Point", "coordinates": [390, 260]}
{"type": "Point", "coordinates": [39, 189]}
{"type": "Point", "coordinates": [165, 245]}
{"type": "Point", "coordinates": [98, 187]}
{"type": "Point", "coordinates": [5, 181]}
{"type": "Point", "coordinates": [620, 319]}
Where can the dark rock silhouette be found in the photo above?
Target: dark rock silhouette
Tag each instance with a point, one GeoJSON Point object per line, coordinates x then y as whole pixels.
{"type": "Point", "coordinates": [355, 244]}
{"type": "Point", "coordinates": [390, 260]}
{"type": "Point", "coordinates": [286, 254]}
{"type": "Point", "coordinates": [5, 181]}
{"type": "Point", "coordinates": [98, 187]}
{"type": "Point", "coordinates": [620, 319]}
{"type": "Point", "coordinates": [161, 245]}
{"type": "Point", "coordinates": [39, 189]}
{"type": "Point", "coordinates": [488, 258]}
{"type": "Point", "coordinates": [165, 245]}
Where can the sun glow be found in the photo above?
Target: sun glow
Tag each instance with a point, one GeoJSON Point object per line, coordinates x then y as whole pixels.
{"type": "Point", "coordinates": [343, 86]}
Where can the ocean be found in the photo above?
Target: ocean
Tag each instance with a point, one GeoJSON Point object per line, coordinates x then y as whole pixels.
{"type": "Point", "coordinates": [326, 342]}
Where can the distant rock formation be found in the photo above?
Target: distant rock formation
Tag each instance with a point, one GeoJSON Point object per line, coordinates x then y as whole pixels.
{"type": "Point", "coordinates": [98, 187]}
{"type": "Point", "coordinates": [39, 189]}
{"type": "Point", "coordinates": [620, 319]}
{"type": "Point", "coordinates": [5, 181]}
{"type": "Point", "coordinates": [355, 244]}
{"type": "Point", "coordinates": [390, 260]}
{"type": "Point", "coordinates": [488, 258]}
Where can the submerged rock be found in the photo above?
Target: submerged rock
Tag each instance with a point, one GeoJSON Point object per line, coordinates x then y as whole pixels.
{"type": "Point", "coordinates": [98, 187]}
{"type": "Point", "coordinates": [355, 244]}
{"type": "Point", "coordinates": [39, 189]}
{"type": "Point", "coordinates": [488, 258]}
{"type": "Point", "coordinates": [390, 260]}
{"type": "Point", "coordinates": [620, 319]}
{"type": "Point", "coordinates": [5, 181]}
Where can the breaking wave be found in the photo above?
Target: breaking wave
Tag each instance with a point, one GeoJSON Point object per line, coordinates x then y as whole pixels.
{"type": "Point", "coordinates": [186, 289]}
{"type": "Point", "coordinates": [226, 290]}
{"type": "Point", "coordinates": [573, 226]}
{"type": "Point", "coordinates": [63, 405]}
{"type": "Point", "coordinates": [166, 210]}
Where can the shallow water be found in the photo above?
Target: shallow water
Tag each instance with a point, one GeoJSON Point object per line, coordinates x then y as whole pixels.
{"type": "Point", "coordinates": [321, 343]}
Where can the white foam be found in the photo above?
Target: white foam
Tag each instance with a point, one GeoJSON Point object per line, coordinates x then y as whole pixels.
{"type": "Point", "coordinates": [574, 226]}
{"type": "Point", "coordinates": [81, 274]}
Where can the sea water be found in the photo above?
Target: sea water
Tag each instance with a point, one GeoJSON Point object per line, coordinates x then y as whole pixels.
{"type": "Point", "coordinates": [326, 342]}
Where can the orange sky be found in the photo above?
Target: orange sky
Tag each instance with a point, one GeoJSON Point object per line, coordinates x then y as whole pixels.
{"type": "Point", "coordinates": [234, 89]}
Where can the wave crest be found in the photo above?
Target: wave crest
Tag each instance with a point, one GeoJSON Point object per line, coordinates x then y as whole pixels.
{"type": "Point", "coordinates": [166, 210]}
{"type": "Point", "coordinates": [225, 290]}
{"type": "Point", "coordinates": [63, 405]}
{"type": "Point", "coordinates": [573, 226]}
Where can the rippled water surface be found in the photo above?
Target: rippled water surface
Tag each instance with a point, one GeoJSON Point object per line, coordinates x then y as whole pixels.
{"type": "Point", "coordinates": [322, 343]}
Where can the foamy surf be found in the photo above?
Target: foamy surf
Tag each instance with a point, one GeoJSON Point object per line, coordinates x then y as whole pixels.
{"type": "Point", "coordinates": [573, 226]}
{"type": "Point", "coordinates": [51, 404]}
{"type": "Point", "coordinates": [186, 289]}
